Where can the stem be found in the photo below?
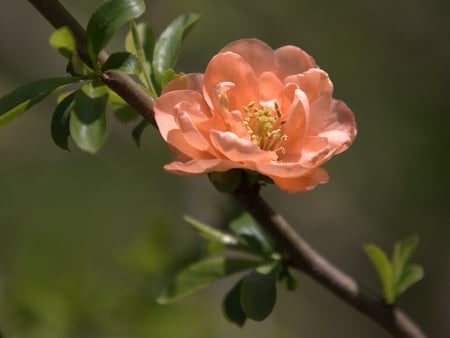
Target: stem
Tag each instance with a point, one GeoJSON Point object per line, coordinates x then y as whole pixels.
{"type": "Point", "coordinates": [302, 256]}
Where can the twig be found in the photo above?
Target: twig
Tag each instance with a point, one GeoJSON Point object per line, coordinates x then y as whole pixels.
{"type": "Point", "coordinates": [301, 255]}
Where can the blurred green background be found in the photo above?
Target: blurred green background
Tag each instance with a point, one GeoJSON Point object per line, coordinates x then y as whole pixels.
{"type": "Point", "coordinates": [88, 242]}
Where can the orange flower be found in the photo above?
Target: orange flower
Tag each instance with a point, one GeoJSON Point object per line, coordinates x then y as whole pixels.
{"type": "Point", "coordinates": [258, 109]}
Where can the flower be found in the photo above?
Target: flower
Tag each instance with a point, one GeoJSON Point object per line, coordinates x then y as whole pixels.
{"type": "Point", "coordinates": [269, 111]}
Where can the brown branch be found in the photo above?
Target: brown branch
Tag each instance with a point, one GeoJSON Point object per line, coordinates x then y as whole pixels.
{"type": "Point", "coordinates": [301, 255]}
{"type": "Point", "coordinates": [122, 84]}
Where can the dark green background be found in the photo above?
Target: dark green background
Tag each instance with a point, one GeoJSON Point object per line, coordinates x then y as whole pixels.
{"type": "Point", "coordinates": [87, 242]}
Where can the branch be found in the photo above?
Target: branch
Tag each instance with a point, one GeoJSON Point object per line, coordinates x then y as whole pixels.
{"type": "Point", "coordinates": [122, 84]}
{"type": "Point", "coordinates": [301, 255]}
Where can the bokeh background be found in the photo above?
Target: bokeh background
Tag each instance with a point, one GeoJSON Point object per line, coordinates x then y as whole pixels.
{"type": "Point", "coordinates": [88, 242]}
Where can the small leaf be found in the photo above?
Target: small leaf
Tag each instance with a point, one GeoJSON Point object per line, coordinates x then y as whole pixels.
{"type": "Point", "coordinates": [22, 98]}
{"type": "Point", "coordinates": [232, 308]}
{"type": "Point", "coordinates": [403, 251]}
{"type": "Point", "coordinates": [258, 291]}
{"type": "Point", "coordinates": [125, 114]}
{"type": "Point", "coordinates": [252, 236]}
{"type": "Point", "coordinates": [202, 274]}
{"type": "Point", "coordinates": [141, 42]}
{"type": "Point", "coordinates": [63, 41]}
{"type": "Point", "coordinates": [88, 124]}
{"type": "Point", "coordinates": [167, 47]}
{"type": "Point", "coordinates": [138, 130]}
{"type": "Point", "coordinates": [122, 62]}
{"type": "Point", "coordinates": [384, 269]}
{"type": "Point", "coordinates": [168, 76]}
{"type": "Point", "coordinates": [411, 275]}
{"type": "Point", "coordinates": [210, 233]}
{"type": "Point", "coordinates": [287, 279]}
{"type": "Point", "coordinates": [107, 18]}
{"type": "Point", "coordinates": [60, 126]}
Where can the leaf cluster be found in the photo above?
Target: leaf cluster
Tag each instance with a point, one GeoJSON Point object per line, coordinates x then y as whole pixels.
{"type": "Point", "coordinates": [81, 113]}
{"type": "Point", "coordinates": [398, 274]}
{"type": "Point", "coordinates": [255, 256]}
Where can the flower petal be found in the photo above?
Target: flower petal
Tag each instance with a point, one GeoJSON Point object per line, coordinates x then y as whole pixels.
{"type": "Point", "coordinates": [255, 52]}
{"type": "Point", "coordinates": [238, 149]}
{"type": "Point", "coordinates": [189, 81]}
{"type": "Point", "coordinates": [199, 167]}
{"type": "Point", "coordinates": [229, 75]}
{"type": "Point", "coordinates": [315, 151]}
{"type": "Point", "coordinates": [270, 87]}
{"type": "Point", "coordinates": [340, 127]}
{"type": "Point", "coordinates": [303, 183]}
{"type": "Point", "coordinates": [292, 60]}
{"type": "Point", "coordinates": [319, 89]}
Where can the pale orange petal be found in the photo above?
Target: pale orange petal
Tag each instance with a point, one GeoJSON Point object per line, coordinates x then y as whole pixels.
{"type": "Point", "coordinates": [255, 52]}
{"type": "Point", "coordinates": [296, 125]}
{"type": "Point", "coordinates": [270, 87]}
{"type": "Point", "coordinates": [281, 169]}
{"type": "Point", "coordinates": [199, 167]}
{"type": "Point", "coordinates": [238, 149]}
{"type": "Point", "coordinates": [315, 151]}
{"type": "Point", "coordinates": [319, 89]}
{"type": "Point", "coordinates": [192, 81]}
{"type": "Point", "coordinates": [229, 80]}
{"type": "Point", "coordinates": [303, 183]}
{"type": "Point", "coordinates": [340, 127]}
{"type": "Point", "coordinates": [292, 60]}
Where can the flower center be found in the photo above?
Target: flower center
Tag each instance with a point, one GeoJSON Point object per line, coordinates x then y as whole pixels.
{"type": "Point", "coordinates": [264, 127]}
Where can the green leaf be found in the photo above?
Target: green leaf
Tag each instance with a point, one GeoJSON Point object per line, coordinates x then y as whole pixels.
{"type": "Point", "coordinates": [107, 18]}
{"type": "Point", "coordinates": [287, 279]}
{"type": "Point", "coordinates": [123, 62]}
{"type": "Point", "coordinates": [16, 102]}
{"type": "Point", "coordinates": [64, 42]}
{"type": "Point", "coordinates": [168, 76]}
{"type": "Point", "coordinates": [60, 126]}
{"type": "Point", "coordinates": [232, 308]}
{"type": "Point", "coordinates": [384, 269]}
{"type": "Point", "coordinates": [258, 291]}
{"type": "Point", "coordinates": [202, 274]}
{"type": "Point", "coordinates": [141, 42]}
{"type": "Point", "coordinates": [411, 275]}
{"type": "Point", "coordinates": [167, 47]}
{"type": "Point", "coordinates": [88, 124]}
{"type": "Point", "coordinates": [138, 130]}
{"type": "Point", "coordinates": [403, 251]}
{"type": "Point", "coordinates": [252, 236]}
{"type": "Point", "coordinates": [210, 233]}
{"type": "Point", "coordinates": [125, 114]}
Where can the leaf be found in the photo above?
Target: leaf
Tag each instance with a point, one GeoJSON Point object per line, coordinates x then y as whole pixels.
{"type": "Point", "coordinates": [60, 126]}
{"type": "Point", "coordinates": [107, 18]}
{"type": "Point", "coordinates": [232, 308]}
{"type": "Point", "coordinates": [202, 274]}
{"type": "Point", "coordinates": [125, 114]}
{"type": "Point", "coordinates": [167, 47]}
{"type": "Point", "coordinates": [384, 269]}
{"type": "Point", "coordinates": [287, 279]}
{"type": "Point", "coordinates": [258, 291]}
{"type": "Point", "coordinates": [210, 233]}
{"type": "Point", "coordinates": [403, 251]}
{"type": "Point", "coordinates": [411, 275]}
{"type": "Point", "coordinates": [252, 236]}
{"type": "Point", "coordinates": [63, 41]}
{"type": "Point", "coordinates": [123, 62]}
{"type": "Point", "coordinates": [88, 124]}
{"type": "Point", "coordinates": [138, 130]}
{"type": "Point", "coordinates": [16, 102]}
{"type": "Point", "coordinates": [141, 42]}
